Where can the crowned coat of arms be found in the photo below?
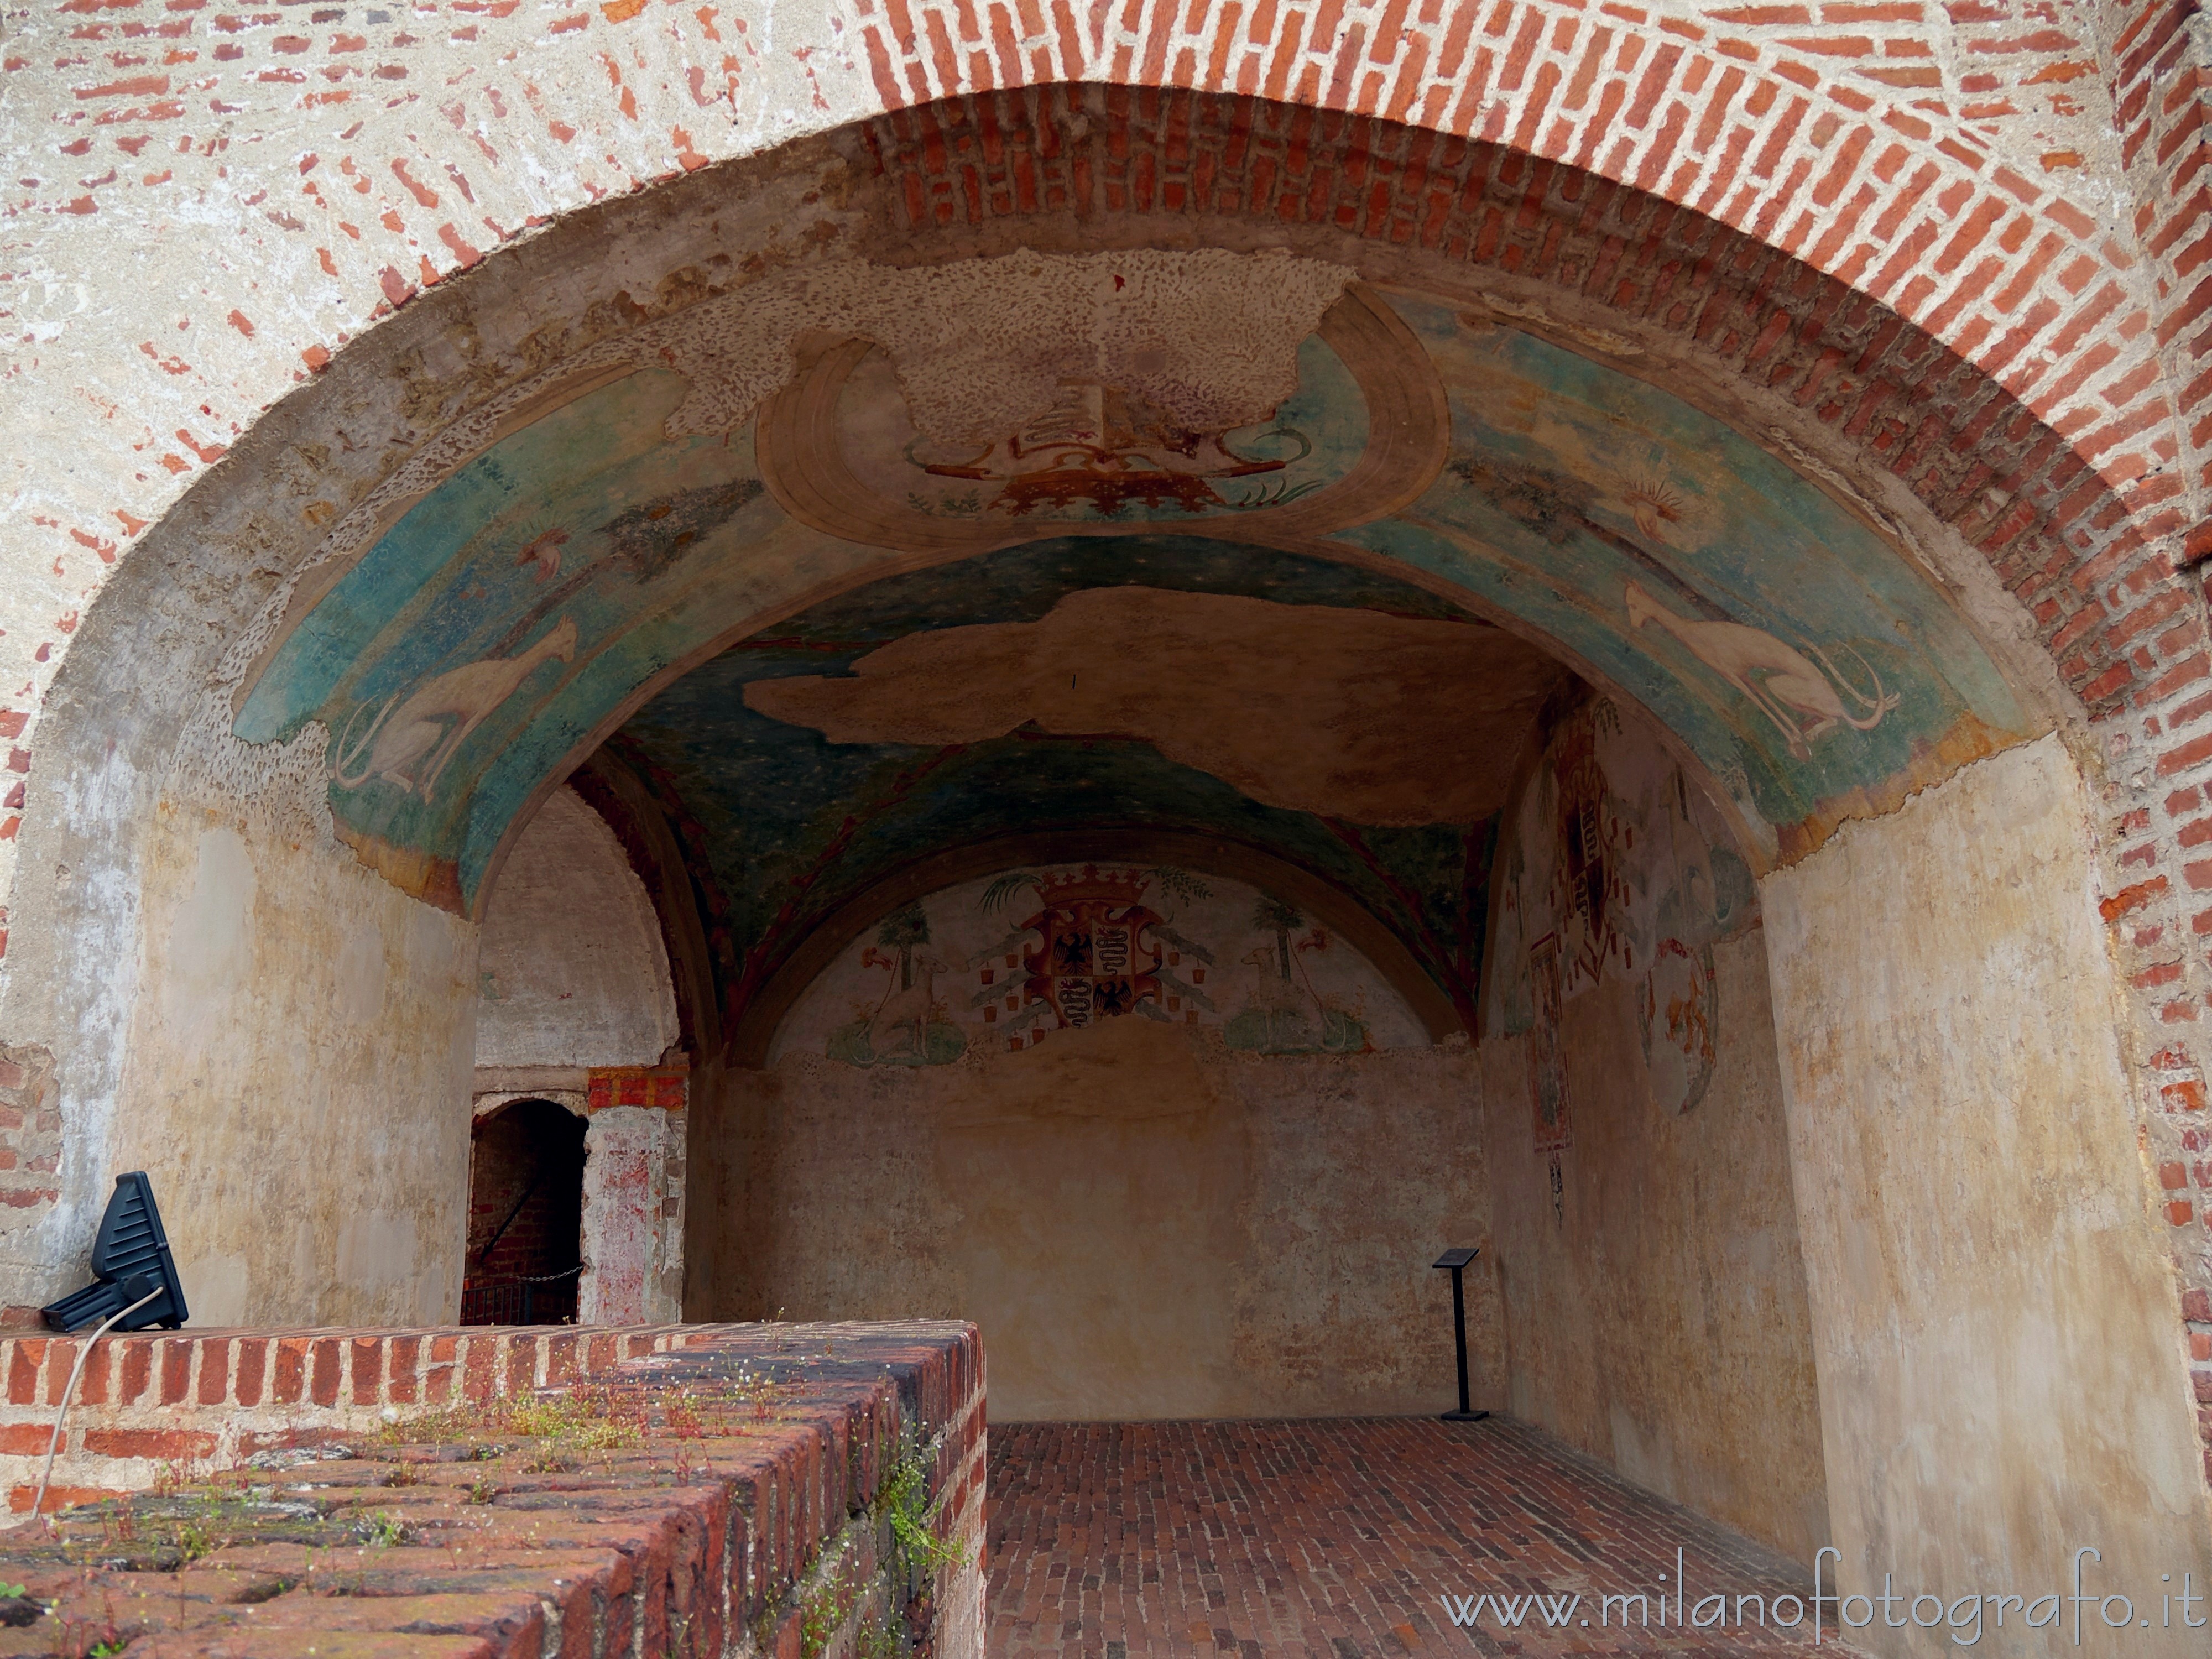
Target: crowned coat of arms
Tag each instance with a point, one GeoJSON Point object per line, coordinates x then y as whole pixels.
{"type": "Point", "coordinates": [1091, 954]}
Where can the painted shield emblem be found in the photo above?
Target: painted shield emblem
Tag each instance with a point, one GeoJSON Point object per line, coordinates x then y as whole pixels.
{"type": "Point", "coordinates": [1093, 959]}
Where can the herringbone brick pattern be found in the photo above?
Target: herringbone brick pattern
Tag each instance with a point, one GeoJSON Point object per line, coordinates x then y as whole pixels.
{"type": "Point", "coordinates": [1121, 1540]}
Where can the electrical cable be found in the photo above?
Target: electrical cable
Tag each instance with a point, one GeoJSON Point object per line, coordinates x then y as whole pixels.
{"type": "Point", "coordinates": [69, 1394]}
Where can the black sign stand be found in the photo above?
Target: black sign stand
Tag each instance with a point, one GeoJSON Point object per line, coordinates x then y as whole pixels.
{"type": "Point", "coordinates": [1457, 1261]}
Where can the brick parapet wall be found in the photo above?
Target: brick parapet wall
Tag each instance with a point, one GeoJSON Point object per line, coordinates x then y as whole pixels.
{"type": "Point", "coordinates": [705, 1536]}
{"type": "Point", "coordinates": [208, 1398]}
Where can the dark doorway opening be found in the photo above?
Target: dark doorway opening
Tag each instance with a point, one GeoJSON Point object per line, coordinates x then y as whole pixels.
{"type": "Point", "coordinates": [525, 1216]}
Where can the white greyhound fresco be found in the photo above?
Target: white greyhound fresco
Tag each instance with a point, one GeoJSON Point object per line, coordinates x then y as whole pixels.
{"type": "Point", "coordinates": [1788, 686]}
{"type": "Point", "coordinates": [407, 744]}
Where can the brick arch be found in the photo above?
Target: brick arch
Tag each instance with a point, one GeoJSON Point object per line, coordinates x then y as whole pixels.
{"type": "Point", "coordinates": [1091, 161]}
{"type": "Point", "coordinates": [2124, 630]}
{"type": "Point", "coordinates": [1090, 166]}
{"type": "Point", "coordinates": [1086, 164]}
{"type": "Point", "coordinates": [1843, 141]}
{"type": "Point", "coordinates": [1081, 164]}
{"type": "Point", "coordinates": [352, 163]}
{"type": "Point", "coordinates": [2082, 556]}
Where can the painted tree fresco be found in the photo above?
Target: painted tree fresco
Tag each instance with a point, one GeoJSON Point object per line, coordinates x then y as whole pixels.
{"type": "Point", "coordinates": [1006, 962]}
{"type": "Point", "coordinates": [1614, 866]}
{"type": "Point", "coordinates": [907, 1025]}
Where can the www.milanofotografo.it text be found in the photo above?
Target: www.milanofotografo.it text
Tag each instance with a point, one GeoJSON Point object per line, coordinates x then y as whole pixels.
{"type": "Point", "coordinates": [1964, 1616]}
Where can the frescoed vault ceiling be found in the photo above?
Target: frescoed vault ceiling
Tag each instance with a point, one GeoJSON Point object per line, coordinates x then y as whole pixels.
{"type": "Point", "coordinates": [1262, 699]}
{"type": "Point", "coordinates": [863, 564]}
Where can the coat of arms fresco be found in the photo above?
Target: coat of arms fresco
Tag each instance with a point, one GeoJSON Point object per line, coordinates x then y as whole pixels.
{"type": "Point", "coordinates": [1007, 963]}
{"type": "Point", "coordinates": [1091, 949]}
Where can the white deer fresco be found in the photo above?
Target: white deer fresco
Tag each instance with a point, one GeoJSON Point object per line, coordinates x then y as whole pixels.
{"type": "Point", "coordinates": [900, 1024]}
{"type": "Point", "coordinates": [1788, 684]}
{"type": "Point", "coordinates": [407, 743]}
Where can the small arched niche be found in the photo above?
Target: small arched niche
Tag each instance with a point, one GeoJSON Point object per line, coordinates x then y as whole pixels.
{"type": "Point", "coordinates": [578, 1029]}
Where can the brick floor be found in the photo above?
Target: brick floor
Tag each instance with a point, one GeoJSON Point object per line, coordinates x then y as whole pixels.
{"type": "Point", "coordinates": [1119, 1540]}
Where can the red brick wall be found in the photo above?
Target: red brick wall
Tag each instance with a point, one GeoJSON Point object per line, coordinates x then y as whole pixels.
{"type": "Point", "coordinates": [30, 1139]}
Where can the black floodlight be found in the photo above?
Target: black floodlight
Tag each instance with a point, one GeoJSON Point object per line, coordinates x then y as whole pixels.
{"type": "Point", "coordinates": [132, 1259]}
{"type": "Point", "coordinates": [1457, 1261]}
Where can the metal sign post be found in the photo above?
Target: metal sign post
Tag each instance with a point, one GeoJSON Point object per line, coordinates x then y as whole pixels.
{"type": "Point", "coordinates": [1457, 1261]}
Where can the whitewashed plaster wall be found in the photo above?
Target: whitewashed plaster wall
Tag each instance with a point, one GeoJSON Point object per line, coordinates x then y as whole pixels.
{"type": "Point", "coordinates": [572, 971]}
{"type": "Point", "coordinates": [1644, 1232]}
{"type": "Point", "coordinates": [1656, 1304]}
{"type": "Point", "coordinates": [1992, 1307]}
{"type": "Point", "coordinates": [309, 1168]}
{"type": "Point", "coordinates": [1144, 1224]}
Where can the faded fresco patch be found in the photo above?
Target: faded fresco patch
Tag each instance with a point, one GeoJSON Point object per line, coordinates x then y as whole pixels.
{"type": "Point", "coordinates": [1331, 709]}
{"type": "Point", "coordinates": [1105, 453]}
{"type": "Point", "coordinates": [1612, 865]}
{"type": "Point", "coordinates": [1005, 961]}
{"type": "Point", "coordinates": [1360, 432]}
{"type": "Point", "coordinates": [500, 619]}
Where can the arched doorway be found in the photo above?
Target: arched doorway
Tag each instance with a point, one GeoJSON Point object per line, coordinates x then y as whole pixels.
{"type": "Point", "coordinates": [525, 1216]}
{"type": "Point", "coordinates": [576, 1005]}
